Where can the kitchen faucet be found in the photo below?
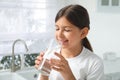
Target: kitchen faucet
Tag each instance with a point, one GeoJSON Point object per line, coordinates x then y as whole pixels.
{"type": "Point", "coordinates": [13, 54]}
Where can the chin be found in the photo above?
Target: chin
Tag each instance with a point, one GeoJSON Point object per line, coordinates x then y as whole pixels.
{"type": "Point", "coordinates": [64, 46]}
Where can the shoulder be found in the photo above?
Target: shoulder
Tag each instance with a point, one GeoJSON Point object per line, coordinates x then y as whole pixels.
{"type": "Point", "coordinates": [91, 56]}
{"type": "Point", "coordinates": [95, 67]}
{"type": "Point", "coordinates": [94, 62]}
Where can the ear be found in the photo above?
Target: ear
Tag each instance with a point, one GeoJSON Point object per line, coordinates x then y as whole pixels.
{"type": "Point", "coordinates": [84, 32]}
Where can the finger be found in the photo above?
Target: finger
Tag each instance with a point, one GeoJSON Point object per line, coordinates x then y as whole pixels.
{"type": "Point", "coordinates": [62, 59]}
{"type": "Point", "coordinates": [56, 62]}
{"type": "Point", "coordinates": [59, 55]}
{"type": "Point", "coordinates": [39, 57]}
{"type": "Point", "coordinates": [37, 62]}
{"type": "Point", "coordinates": [36, 66]}
{"type": "Point", "coordinates": [57, 68]}
{"type": "Point", "coordinates": [42, 53]}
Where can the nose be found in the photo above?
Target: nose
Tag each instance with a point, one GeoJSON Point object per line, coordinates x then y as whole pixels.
{"type": "Point", "coordinates": [60, 34]}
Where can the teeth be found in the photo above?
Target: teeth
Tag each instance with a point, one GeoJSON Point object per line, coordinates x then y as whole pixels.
{"type": "Point", "coordinates": [61, 42]}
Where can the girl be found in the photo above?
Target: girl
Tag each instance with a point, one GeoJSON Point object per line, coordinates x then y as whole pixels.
{"type": "Point", "coordinates": [77, 60]}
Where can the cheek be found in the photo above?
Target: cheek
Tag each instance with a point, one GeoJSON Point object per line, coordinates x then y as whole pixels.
{"type": "Point", "coordinates": [74, 37]}
{"type": "Point", "coordinates": [70, 37]}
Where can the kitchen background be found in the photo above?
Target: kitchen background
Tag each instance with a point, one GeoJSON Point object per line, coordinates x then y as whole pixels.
{"type": "Point", "coordinates": [33, 22]}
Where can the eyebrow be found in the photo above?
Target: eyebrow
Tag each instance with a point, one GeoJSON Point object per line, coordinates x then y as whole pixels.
{"type": "Point", "coordinates": [64, 26]}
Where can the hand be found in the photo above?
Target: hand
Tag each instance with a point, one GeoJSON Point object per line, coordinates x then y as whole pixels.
{"type": "Point", "coordinates": [61, 65]}
{"type": "Point", "coordinates": [39, 60]}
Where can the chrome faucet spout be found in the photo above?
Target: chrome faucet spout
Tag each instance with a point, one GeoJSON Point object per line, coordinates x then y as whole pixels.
{"type": "Point", "coordinates": [13, 53]}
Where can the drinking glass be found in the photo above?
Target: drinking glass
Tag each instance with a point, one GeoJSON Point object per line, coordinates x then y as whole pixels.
{"type": "Point", "coordinates": [45, 67]}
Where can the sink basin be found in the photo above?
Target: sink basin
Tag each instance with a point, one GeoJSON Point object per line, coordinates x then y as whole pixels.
{"type": "Point", "coordinates": [29, 74]}
{"type": "Point", "coordinates": [10, 76]}
{"type": "Point", "coordinates": [25, 74]}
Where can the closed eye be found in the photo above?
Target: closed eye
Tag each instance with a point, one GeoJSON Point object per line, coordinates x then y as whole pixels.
{"type": "Point", "coordinates": [67, 30]}
{"type": "Point", "coordinates": [56, 28]}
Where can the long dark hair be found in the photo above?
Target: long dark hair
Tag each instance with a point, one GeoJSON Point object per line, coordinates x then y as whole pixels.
{"type": "Point", "coordinates": [78, 16]}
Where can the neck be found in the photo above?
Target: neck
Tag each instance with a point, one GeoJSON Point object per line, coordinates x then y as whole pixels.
{"type": "Point", "coordinates": [71, 52]}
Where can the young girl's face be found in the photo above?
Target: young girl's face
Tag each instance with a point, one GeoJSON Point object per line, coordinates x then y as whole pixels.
{"type": "Point", "coordinates": [67, 34]}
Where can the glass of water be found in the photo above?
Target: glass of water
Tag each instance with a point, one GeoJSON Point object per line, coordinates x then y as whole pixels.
{"type": "Point", "coordinates": [45, 67]}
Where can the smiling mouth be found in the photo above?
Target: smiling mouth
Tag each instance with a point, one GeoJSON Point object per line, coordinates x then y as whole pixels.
{"type": "Point", "coordinates": [63, 42]}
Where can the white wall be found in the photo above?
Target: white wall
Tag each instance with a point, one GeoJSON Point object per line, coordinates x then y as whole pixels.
{"type": "Point", "coordinates": [104, 33]}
